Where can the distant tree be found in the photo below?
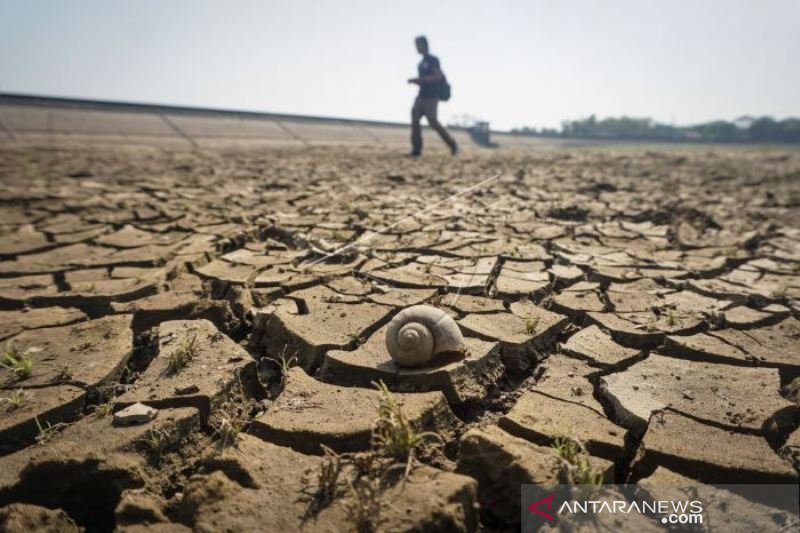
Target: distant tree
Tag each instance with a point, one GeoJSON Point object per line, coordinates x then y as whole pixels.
{"type": "Point", "coordinates": [719, 131]}
{"type": "Point", "coordinates": [790, 130]}
{"type": "Point", "coordinates": [743, 129]}
{"type": "Point", "coordinates": [764, 129]}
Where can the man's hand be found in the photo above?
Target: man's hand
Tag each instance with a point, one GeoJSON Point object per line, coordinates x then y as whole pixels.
{"type": "Point", "coordinates": [415, 81]}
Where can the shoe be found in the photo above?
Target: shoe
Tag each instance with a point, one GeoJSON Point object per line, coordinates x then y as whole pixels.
{"type": "Point", "coordinates": [454, 149]}
{"type": "Point", "coordinates": [414, 155]}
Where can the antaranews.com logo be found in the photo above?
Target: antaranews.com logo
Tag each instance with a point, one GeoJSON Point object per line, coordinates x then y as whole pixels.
{"type": "Point", "coordinates": [673, 511]}
{"type": "Point", "coordinates": [669, 508]}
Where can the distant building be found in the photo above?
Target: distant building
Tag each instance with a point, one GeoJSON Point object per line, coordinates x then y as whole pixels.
{"type": "Point", "coordinates": [480, 133]}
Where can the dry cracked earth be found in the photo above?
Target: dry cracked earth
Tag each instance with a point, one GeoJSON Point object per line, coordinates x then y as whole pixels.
{"type": "Point", "coordinates": [643, 306]}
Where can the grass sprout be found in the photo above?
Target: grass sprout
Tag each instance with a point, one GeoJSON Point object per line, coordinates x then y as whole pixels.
{"type": "Point", "coordinates": [286, 363]}
{"type": "Point", "coordinates": [183, 355]}
{"type": "Point", "coordinates": [532, 324]}
{"type": "Point", "coordinates": [328, 475]}
{"type": "Point", "coordinates": [230, 418]}
{"type": "Point", "coordinates": [393, 435]}
{"type": "Point", "coordinates": [15, 400]}
{"type": "Point", "coordinates": [157, 441]}
{"type": "Point", "coordinates": [87, 341]}
{"type": "Point", "coordinates": [103, 409]}
{"type": "Point", "coordinates": [574, 463]}
{"type": "Point", "coordinates": [65, 373]}
{"type": "Point", "coordinates": [47, 431]}
{"type": "Point", "coordinates": [672, 318]}
{"type": "Point", "coordinates": [363, 508]}
{"type": "Point", "coordinates": [18, 363]}
{"type": "Point", "coordinates": [228, 424]}
{"type": "Point", "coordinates": [366, 474]}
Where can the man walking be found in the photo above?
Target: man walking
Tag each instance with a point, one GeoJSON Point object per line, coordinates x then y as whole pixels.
{"type": "Point", "coordinates": [430, 80]}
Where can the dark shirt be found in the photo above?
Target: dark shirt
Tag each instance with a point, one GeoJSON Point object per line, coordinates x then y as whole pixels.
{"type": "Point", "coordinates": [426, 67]}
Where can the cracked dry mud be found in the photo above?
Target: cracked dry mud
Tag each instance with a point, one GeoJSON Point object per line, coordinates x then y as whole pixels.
{"type": "Point", "coordinates": [645, 304]}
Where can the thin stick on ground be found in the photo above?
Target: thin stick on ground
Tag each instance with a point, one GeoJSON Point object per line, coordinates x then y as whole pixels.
{"type": "Point", "coordinates": [369, 236]}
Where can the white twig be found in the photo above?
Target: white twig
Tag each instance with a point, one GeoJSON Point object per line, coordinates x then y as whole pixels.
{"type": "Point", "coordinates": [367, 237]}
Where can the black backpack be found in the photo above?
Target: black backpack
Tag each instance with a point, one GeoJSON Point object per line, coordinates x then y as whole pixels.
{"type": "Point", "coordinates": [444, 90]}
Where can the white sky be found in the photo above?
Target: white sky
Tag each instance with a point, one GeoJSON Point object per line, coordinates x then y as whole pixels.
{"type": "Point", "coordinates": [515, 63]}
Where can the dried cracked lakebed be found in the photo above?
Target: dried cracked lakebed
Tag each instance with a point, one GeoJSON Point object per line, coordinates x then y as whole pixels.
{"type": "Point", "coordinates": [644, 306]}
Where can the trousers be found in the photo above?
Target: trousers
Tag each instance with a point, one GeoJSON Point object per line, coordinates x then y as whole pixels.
{"type": "Point", "coordinates": [426, 107]}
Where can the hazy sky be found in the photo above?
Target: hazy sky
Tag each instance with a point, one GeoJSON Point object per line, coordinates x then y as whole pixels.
{"type": "Point", "coordinates": [514, 63]}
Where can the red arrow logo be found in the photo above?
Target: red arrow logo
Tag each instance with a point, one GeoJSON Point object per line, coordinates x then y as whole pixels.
{"type": "Point", "coordinates": [549, 501]}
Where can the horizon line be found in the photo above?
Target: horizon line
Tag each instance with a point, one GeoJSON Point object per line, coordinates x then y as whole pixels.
{"type": "Point", "coordinates": [45, 99]}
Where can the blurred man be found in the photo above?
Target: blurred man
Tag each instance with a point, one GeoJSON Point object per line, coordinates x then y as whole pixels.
{"type": "Point", "coordinates": [430, 80]}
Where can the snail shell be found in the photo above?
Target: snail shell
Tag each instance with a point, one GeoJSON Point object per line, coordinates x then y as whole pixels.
{"type": "Point", "coordinates": [420, 332]}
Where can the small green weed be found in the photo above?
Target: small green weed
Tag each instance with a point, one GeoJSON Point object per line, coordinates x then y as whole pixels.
{"type": "Point", "coordinates": [228, 424]}
{"type": "Point", "coordinates": [393, 435]}
{"type": "Point", "coordinates": [532, 324]}
{"type": "Point", "coordinates": [103, 409]}
{"type": "Point", "coordinates": [87, 341]}
{"type": "Point", "coordinates": [672, 318]}
{"type": "Point", "coordinates": [183, 354]}
{"type": "Point", "coordinates": [286, 363]}
{"type": "Point", "coordinates": [18, 363]}
{"type": "Point", "coordinates": [15, 400]}
{"type": "Point", "coordinates": [574, 463]}
{"type": "Point", "coordinates": [230, 419]}
{"type": "Point", "coordinates": [48, 431]}
{"type": "Point", "coordinates": [156, 442]}
{"type": "Point", "coordinates": [65, 373]}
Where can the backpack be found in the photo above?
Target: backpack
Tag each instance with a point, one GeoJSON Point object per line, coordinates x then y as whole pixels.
{"type": "Point", "coordinates": [444, 90]}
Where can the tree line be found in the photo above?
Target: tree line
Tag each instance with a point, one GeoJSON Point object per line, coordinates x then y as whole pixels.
{"type": "Point", "coordinates": [744, 129]}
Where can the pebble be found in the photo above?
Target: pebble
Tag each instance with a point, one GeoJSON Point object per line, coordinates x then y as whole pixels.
{"type": "Point", "coordinates": [135, 414]}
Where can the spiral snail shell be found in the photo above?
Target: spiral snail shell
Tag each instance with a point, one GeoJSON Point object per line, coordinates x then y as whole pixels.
{"type": "Point", "coordinates": [418, 333]}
